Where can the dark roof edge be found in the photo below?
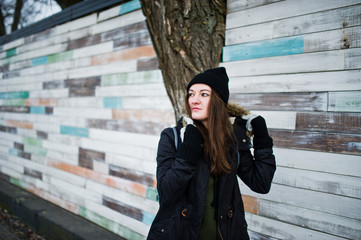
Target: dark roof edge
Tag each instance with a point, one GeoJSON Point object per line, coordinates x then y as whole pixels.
{"type": "Point", "coordinates": [76, 11]}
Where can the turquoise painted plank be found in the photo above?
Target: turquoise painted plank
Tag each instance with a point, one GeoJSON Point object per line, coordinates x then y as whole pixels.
{"type": "Point", "coordinates": [129, 7]}
{"type": "Point", "coordinates": [11, 52]}
{"type": "Point", "coordinates": [148, 218]}
{"type": "Point", "coordinates": [74, 131]}
{"type": "Point", "coordinates": [152, 194]}
{"type": "Point", "coordinates": [37, 110]}
{"type": "Point", "coordinates": [10, 95]}
{"type": "Point", "coordinates": [13, 151]}
{"type": "Point", "coordinates": [112, 102]}
{"type": "Point", "coordinates": [39, 61]}
{"type": "Point", "coordinates": [263, 49]}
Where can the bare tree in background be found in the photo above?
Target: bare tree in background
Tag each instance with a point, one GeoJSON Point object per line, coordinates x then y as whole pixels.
{"type": "Point", "coordinates": [17, 14]}
{"type": "Point", "coordinates": [188, 37]}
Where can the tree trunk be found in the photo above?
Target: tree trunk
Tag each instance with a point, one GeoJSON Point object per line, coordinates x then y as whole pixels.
{"type": "Point", "coordinates": [17, 15]}
{"type": "Point", "coordinates": [188, 37]}
{"type": "Point", "coordinates": [2, 24]}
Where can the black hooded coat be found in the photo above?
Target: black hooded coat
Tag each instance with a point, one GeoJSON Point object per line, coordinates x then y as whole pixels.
{"type": "Point", "coordinates": [182, 188]}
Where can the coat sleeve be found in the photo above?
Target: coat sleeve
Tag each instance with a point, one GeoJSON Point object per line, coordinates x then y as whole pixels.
{"type": "Point", "coordinates": [255, 171]}
{"type": "Point", "coordinates": [173, 174]}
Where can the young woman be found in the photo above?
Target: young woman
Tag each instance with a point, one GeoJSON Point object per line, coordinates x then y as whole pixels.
{"type": "Point", "coordinates": [199, 196]}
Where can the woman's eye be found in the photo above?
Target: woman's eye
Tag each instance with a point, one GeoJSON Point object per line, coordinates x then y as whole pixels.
{"type": "Point", "coordinates": [191, 94]}
{"type": "Point", "coordinates": [205, 94]}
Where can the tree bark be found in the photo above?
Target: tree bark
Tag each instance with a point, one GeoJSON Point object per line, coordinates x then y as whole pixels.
{"type": "Point", "coordinates": [188, 37]}
{"type": "Point", "coordinates": [17, 15]}
{"type": "Point", "coordinates": [2, 24]}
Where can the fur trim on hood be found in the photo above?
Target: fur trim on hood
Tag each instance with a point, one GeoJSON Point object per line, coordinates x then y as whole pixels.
{"type": "Point", "coordinates": [235, 110]}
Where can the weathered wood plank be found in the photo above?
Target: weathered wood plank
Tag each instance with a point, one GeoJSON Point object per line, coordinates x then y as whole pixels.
{"type": "Point", "coordinates": [314, 101]}
{"type": "Point", "coordinates": [118, 22]}
{"type": "Point", "coordinates": [144, 103]}
{"type": "Point", "coordinates": [84, 42]}
{"type": "Point", "coordinates": [318, 141]}
{"type": "Point", "coordinates": [7, 129]}
{"type": "Point", "coordinates": [124, 55]}
{"type": "Point", "coordinates": [342, 164]}
{"type": "Point", "coordinates": [329, 122]}
{"type": "Point", "coordinates": [132, 90]}
{"type": "Point", "coordinates": [281, 10]}
{"type": "Point", "coordinates": [83, 112]}
{"type": "Point", "coordinates": [143, 165]}
{"type": "Point", "coordinates": [132, 78]}
{"type": "Point", "coordinates": [300, 63]}
{"type": "Point", "coordinates": [122, 208]}
{"type": "Point", "coordinates": [235, 5]}
{"type": "Point", "coordinates": [310, 219]}
{"type": "Point", "coordinates": [155, 116]}
{"type": "Point", "coordinates": [263, 49]}
{"type": "Point", "coordinates": [132, 175]}
{"type": "Point", "coordinates": [318, 201]}
{"type": "Point", "coordinates": [283, 230]}
{"type": "Point", "coordinates": [14, 109]}
{"type": "Point", "coordinates": [150, 128]}
{"type": "Point", "coordinates": [124, 31]}
{"type": "Point", "coordinates": [134, 40]}
{"type": "Point", "coordinates": [33, 173]}
{"type": "Point", "coordinates": [319, 181]}
{"type": "Point", "coordinates": [81, 92]}
{"type": "Point", "coordinates": [87, 156]}
{"type": "Point", "coordinates": [345, 101]}
{"type": "Point", "coordinates": [147, 64]}
{"type": "Point", "coordinates": [306, 82]}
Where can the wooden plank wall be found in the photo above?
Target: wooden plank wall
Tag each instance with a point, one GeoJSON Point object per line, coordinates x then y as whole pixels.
{"type": "Point", "coordinates": [82, 106]}
{"type": "Point", "coordinates": [298, 64]}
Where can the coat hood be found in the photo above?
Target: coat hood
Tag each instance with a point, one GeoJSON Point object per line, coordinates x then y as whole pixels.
{"type": "Point", "coordinates": [234, 110]}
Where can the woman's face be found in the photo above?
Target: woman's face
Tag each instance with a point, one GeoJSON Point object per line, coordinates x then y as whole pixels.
{"type": "Point", "coordinates": [199, 96]}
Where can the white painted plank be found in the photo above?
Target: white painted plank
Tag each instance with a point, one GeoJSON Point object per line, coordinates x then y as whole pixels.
{"type": "Point", "coordinates": [147, 165]}
{"type": "Point", "coordinates": [47, 127]}
{"type": "Point", "coordinates": [83, 112]}
{"type": "Point", "coordinates": [343, 164]}
{"type": "Point", "coordinates": [282, 230]}
{"type": "Point", "coordinates": [303, 82]}
{"type": "Point", "coordinates": [121, 21]}
{"type": "Point", "coordinates": [345, 101]}
{"type": "Point", "coordinates": [10, 137]}
{"type": "Point", "coordinates": [143, 90]}
{"type": "Point", "coordinates": [109, 13]}
{"type": "Point", "coordinates": [136, 139]}
{"type": "Point", "coordinates": [353, 58]}
{"type": "Point", "coordinates": [236, 5]}
{"type": "Point", "coordinates": [63, 157]}
{"type": "Point", "coordinates": [26, 132]}
{"type": "Point", "coordinates": [79, 23]}
{"type": "Point", "coordinates": [282, 10]}
{"type": "Point", "coordinates": [309, 219]}
{"type": "Point", "coordinates": [126, 198]}
{"type": "Point", "coordinates": [114, 216]}
{"type": "Point", "coordinates": [59, 147]}
{"type": "Point", "coordinates": [64, 139]}
{"type": "Point", "coordinates": [50, 93]}
{"type": "Point", "coordinates": [21, 87]}
{"type": "Point", "coordinates": [323, 202]}
{"type": "Point", "coordinates": [279, 119]}
{"type": "Point", "coordinates": [93, 50]}
{"type": "Point", "coordinates": [81, 102]}
{"type": "Point", "coordinates": [100, 167]}
{"type": "Point", "coordinates": [310, 62]}
{"type": "Point", "coordinates": [319, 181]}
{"type": "Point", "coordinates": [49, 41]}
{"type": "Point", "coordinates": [13, 44]}
{"type": "Point", "coordinates": [160, 103]}
{"type": "Point", "coordinates": [123, 149]}
{"type": "Point", "coordinates": [115, 67]}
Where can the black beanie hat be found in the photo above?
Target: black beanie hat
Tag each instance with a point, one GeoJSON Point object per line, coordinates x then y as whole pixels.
{"type": "Point", "coordinates": [216, 78]}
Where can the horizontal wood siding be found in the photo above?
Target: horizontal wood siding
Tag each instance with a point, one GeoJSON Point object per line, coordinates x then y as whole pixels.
{"type": "Point", "coordinates": [82, 106]}
{"type": "Point", "coordinates": [297, 64]}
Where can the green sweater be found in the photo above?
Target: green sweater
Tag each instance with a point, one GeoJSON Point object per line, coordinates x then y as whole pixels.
{"type": "Point", "coordinates": [208, 229]}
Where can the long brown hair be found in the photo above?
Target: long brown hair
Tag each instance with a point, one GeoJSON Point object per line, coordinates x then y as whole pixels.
{"type": "Point", "coordinates": [218, 136]}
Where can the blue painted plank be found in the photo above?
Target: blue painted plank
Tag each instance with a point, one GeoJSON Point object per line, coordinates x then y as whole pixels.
{"type": "Point", "coordinates": [112, 102]}
{"type": "Point", "coordinates": [74, 131]}
{"type": "Point", "coordinates": [39, 61]}
{"type": "Point", "coordinates": [11, 52]}
{"type": "Point", "coordinates": [129, 7]}
{"type": "Point", "coordinates": [11, 95]}
{"type": "Point", "coordinates": [37, 110]}
{"type": "Point", "coordinates": [13, 151]}
{"type": "Point", "coordinates": [263, 49]}
{"type": "Point", "coordinates": [148, 218]}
